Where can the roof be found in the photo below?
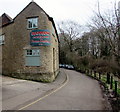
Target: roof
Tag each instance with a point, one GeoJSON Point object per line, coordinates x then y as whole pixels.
{"type": "Point", "coordinates": [5, 19]}
{"type": "Point", "coordinates": [10, 20]}
{"type": "Point", "coordinates": [50, 18]}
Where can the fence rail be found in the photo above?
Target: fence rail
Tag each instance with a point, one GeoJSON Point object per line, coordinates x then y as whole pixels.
{"type": "Point", "coordinates": [111, 82]}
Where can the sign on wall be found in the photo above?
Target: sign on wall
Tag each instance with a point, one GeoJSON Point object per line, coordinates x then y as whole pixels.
{"type": "Point", "coordinates": [40, 38]}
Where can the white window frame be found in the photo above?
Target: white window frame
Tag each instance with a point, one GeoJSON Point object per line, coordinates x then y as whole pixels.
{"type": "Point", "coordinates": [32, 57]}
{"type": "Point", "coordinates": [29, 52]}
{"type": "Point", "coordinates": [32, 52]}
{"type": "Point", "coordinates": [2, 39]}
{"type": "Point", "coordinates": [34, 21]}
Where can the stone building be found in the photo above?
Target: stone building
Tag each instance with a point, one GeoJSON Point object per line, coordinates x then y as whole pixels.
{"type": "Point", "coordinates": [29, 44]}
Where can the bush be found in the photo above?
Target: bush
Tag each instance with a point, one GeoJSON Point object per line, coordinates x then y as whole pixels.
{"type": "Point", "coordinates": [104, 65]}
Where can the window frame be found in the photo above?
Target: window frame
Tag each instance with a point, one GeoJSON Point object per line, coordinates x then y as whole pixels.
{"type": "Point", "coordinates": [32, 54]}
{"type": "Point", "coordinates": [29, 52]}
{"type": "Point", "coordinates": [2, 39]}
{"type": "Point", "coordinates": [34, 21]}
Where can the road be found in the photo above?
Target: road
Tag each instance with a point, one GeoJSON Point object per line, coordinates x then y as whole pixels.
{"type": "Point", "coordinates": [16, 92]}
{"type": "Point", "coordinates": [79, 92]}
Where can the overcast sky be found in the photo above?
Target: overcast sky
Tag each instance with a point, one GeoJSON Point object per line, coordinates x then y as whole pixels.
{"type": "Point", "coordinates": [61, 10]}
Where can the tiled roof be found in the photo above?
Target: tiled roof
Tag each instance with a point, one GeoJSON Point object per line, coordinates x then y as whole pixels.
{"type": "Point", "coordinates": [5, 19]}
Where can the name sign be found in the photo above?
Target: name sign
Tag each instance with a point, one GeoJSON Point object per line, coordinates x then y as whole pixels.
{"type": "Point", "coordinates": [40, 38]}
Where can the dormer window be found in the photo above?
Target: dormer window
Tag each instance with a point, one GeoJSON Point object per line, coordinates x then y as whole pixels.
{"type": "Point", "coordinates": [32, 23]}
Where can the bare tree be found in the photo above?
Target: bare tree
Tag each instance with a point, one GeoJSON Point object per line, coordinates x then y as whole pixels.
{"type": "Point", "coordinates": [108, 25]}
{"type": "Point", "coordinates": [69, 31]}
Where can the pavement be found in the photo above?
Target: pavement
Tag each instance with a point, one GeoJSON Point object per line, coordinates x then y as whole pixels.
{"type": "Point", "coordinates": [16, 92]}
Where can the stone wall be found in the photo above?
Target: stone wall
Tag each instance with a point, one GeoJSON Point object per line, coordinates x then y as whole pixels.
{"type": "Point", "coordinates": [0, 54]}
{"type": "Point", "coordinates": [17, 40]}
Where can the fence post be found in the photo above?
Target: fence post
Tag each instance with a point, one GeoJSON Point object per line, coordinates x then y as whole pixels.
{"type": "Point", "coordinates": [99, 75]}
{"type": "Point", "coordinates": [91, 72]}
{"type": "Point", "coordinates": [88, 71]}
{"type": "Point", "coordinates": [111, 82]}
{"type": "Point", "coordinates": [95, 74]}
{"type": "Point", "coordinates": [85, 71]}
{"type": "Point", "coordinates": [115, 88]}
{"type": "Point", "coordinates": [108, 78]}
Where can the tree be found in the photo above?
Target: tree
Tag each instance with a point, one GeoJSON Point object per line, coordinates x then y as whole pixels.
{"type": "Point", "coordinates": [108, 25]}
{"type": "Point", "coordinates": [69, 31]}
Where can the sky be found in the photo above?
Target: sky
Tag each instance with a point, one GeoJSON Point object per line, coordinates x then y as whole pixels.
{"type": "Point", "coordinates": [79, 11]}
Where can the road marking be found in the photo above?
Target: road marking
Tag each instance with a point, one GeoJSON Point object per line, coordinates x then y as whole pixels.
{"type": "Point", "coordinates": [47, 94]}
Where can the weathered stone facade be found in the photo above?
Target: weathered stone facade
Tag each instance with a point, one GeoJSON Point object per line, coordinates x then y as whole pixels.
{"type": "Point", "coordinates": [17, 41]}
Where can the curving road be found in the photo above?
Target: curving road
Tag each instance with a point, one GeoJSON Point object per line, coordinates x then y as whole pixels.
{"type": "Point", "coordinates": [78, 93]}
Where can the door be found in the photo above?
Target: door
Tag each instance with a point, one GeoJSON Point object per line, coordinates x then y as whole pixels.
{"type": "Point", "coordinates": [53, 59]}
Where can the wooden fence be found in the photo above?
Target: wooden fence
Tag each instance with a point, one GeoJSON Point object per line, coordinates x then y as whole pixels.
{"type": "Point", "coordinates": [111, 82]}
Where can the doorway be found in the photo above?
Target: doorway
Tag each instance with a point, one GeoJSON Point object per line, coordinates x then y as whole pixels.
{"type": "Point", "coordinates": [54, 60]}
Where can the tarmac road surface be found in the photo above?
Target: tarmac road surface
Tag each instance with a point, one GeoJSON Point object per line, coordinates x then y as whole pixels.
{"type": "Point", "coordinates": [16, 92]}
{"type": "Point", "coordinates": [79, 92]}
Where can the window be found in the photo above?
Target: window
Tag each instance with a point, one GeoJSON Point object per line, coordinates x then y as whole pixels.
{"type": "Point", "coordinates": [29, 52]}
{"type": "Point", "coordinates": [32, 23]}
{"type": "Point", "coordinates": [2, 39]}
{"type": "Point", "coordinates": [33, 52]}
{"type": "Point", "coordinates": [32, 57]}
